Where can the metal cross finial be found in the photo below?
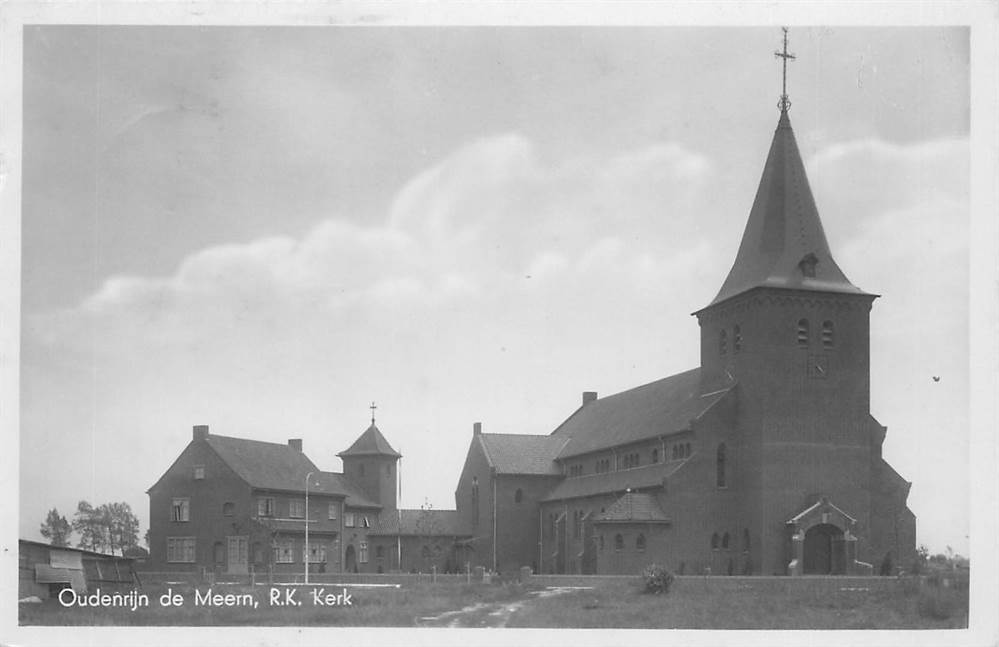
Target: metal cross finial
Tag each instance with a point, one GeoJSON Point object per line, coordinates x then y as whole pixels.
{"type": "Point", "coordinates": [373, 407]}
{"type": "Point", "coordinates": [784, 103]}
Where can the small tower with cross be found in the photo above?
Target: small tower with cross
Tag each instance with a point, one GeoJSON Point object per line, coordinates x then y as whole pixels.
{"type": "Point", "coordinates": [372, 464]}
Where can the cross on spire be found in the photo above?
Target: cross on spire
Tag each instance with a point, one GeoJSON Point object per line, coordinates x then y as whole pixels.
{"type": "Point", "coordinates": [373, 407]}
{"type": "Point", "coordinates": [784, 103]}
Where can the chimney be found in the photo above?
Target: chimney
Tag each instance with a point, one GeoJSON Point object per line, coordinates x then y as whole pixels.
{"type": "Point", "coordinates": [295, 443]}
{"type": "Point", "coordinates": [200, 432]}
{"type": "Point", "coordinates": [476, 428]}
{"type": "Point", "coordinates": [588, 397]}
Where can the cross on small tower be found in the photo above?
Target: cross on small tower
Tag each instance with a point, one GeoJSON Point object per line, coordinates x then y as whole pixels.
{"type": "Point", "coordinates": [373, 407]}
{"type": "Point", "coordinates": [784, 103]}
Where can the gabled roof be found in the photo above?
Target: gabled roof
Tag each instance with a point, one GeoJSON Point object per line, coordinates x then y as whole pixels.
{"type": "Point", "coordinates": [662, 407]}
{"type": "Point", "coordinates": [784, 245]}
{"type": "Point", "coordinates": [647, 476]}
{"type": "Point", "coordinates": [522, 453]}
{"type": "Point", "coordinates": [436, 523]}
{"type": "Point", "coordinates": [370, 443]}
{"type": "Point", "coordinates": [337, 483]}
{"type": "Point", "coordinates": [634, 507]}
{"type": "Point", "coordinates": [270, 466]}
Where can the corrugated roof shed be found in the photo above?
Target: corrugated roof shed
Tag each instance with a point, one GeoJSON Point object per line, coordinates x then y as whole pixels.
{"type": "Point", "coordinates": [522, 453]}
{"type": "Point", "coordinates": [662, 407]}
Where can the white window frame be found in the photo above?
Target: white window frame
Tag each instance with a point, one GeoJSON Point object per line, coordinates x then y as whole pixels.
{"type": "Point", "coordinates": [296, 508]}
{"type": "Point", "coordinates": [265, 506]}
{"type": "Point", "coordinates": [199, 472]}
{"type": "Point", "coordinates": [318, 550]}
{"type": "Point", "coordinates": [181, 550]}
{"type": "Point", "coordinates": [348, 519]}
{"type": "Point", "coordinates": [362, 553]}
{"type": "Point", "coordinates": [284, 551]}
{"type": "Point", "coordinates": [334, 511]}
{"type": "Point", "coordinates": [180, 509]}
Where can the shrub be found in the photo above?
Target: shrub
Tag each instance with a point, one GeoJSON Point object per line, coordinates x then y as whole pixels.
{"type": "Point", "coordinates": [657, 579]}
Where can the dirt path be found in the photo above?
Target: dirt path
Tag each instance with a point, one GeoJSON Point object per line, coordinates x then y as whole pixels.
{"type": "Point", "coordinates": [496, 614]}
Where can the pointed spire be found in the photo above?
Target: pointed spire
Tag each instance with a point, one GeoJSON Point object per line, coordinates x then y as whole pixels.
{"type": "Point", "coordinates": [784, 245]}
{"type": "Point", "coordinates": [371, 442]}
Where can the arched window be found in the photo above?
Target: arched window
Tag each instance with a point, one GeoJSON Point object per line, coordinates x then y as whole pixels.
{"type": "Point", "coordinates": [827, 334]}
{"type": "Point", "coordinates": [518, 496]}
{"type": "Point", "coordinates": [722, 342]}
{"type": "Point", "coordinates": [725, 541]}
{"type": "Point", "coordinates": [720, 466]}
{"type": "Point", "coordinates": [618, 542]}
{"type": "Point", "coordinates": [714, 541]}
{"type": "Point", "coordinates": [227, 509]}
{"type": "Point", "coordinates": [745, 539]}
{"type": "Point", "coordinates": [687, 449]}
{"type": "Point", "coordinates": [676, 452]}
{"type": "Point", "coordinates": [475, 501]}
{"type": "Point", "coordinates": [803, 332]}
{"type": "Point", "coordinates": [655, 455]}
{"type": "Point", "coordinates": [736, 339]}
{"type": "Point", "coordinates": [640, 543]}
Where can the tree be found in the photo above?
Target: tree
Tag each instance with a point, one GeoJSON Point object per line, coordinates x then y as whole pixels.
{"type": "Point", "coordinates": [88, 523]}
{"type": "Point", "coordinates": [56, 529]}
{"type": "Point", "coordinates": [121, 524]}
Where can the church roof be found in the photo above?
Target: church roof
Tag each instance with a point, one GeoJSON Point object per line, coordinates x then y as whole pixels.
{"type": "Point", "coordinates": [617, 481]}
{"type": "Point", "coordinates": [370, 443]}
{"type": "Point", "coordinates": [784, 245]}
{"type": "Point", "coordinates": [270, 466]}
{"type": "Point", "coordinates": [634, 507]}
{"type": "Point", "coordinates": [418, 522]}
{"type": "Point", "coordinates": [662, 407]}
{"type": "Point", "coordinates": [522, 453]}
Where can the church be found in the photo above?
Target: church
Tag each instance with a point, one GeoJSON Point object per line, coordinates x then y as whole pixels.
{"type": "Point", "coordinates": [765, 459]}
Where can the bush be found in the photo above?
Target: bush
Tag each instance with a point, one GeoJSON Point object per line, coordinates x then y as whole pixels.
{"type": "Point", "coordinates": [657, 579]}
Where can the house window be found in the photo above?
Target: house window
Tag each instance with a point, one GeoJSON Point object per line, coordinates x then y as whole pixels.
{"type": "Point", "coordinates": [640, 543]}
{"type": "Point", "coordinates": [518, 496]}
{"type": "Point", "coordinates": [227, 509]}
{"type": "Point", "coordinates": [334, 510]}
{"type": "Point", "coordinates": [687, 449]}
{"type": "Point", "coordinates": [296, 508]}
{"type": "Point", "coordinates": [618, 542]}
{"type": "Point", "coordinates": [724, 544]}
{"type": "Point", "coordinates": [265, 507]}
{"type": "Point", "coordinates": [180, 510]}
{"type": "Point", "coordinates": [348, 519]}
{"type": "Point", "coordinates": [283, 552]}
{"type": "Point", "coordinates": [720, 466]}
{"type": "Point", "coordinates": [199, 472]}
{"type": "Point", "coordinates": [475, 501]}
{"type": "Point", "coordinates": [180, 550]}
{"type": "Point", "coordinates": [722, 342]}
{"type": "Point", "coordinates": [316, 554]}
{"type": "Point", "coordinates": [736, 339]}
{"type": "Point", "coordinates": [676, 452]}
{"type": "Point", "coordinates": [827, 334]}
{"type": "Point", "coordinates": [714, 541]}
{"type": "Point", "coordinates": [362, 554]}
{"type": "Point", "coordinates": [364, 522]}
{"type": "Point", "coordinates": [803, 332]}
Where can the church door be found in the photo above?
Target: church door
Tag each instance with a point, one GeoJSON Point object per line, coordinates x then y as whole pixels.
{"type": "Point", "coordinates": [350, 560]}
{"type": "Point", "coordinates": [237, 552]}
{"type": "Point", "coordinates": [824, 550]}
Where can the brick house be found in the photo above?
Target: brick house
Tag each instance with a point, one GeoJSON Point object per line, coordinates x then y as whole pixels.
{"type": "Point", "coordinates": [234, 505]}
{"type": "Point", "coordinates": [765, 459]}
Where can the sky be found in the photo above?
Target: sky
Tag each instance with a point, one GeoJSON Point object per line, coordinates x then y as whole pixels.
{"type": "Point", "coordinates": [266, 229]}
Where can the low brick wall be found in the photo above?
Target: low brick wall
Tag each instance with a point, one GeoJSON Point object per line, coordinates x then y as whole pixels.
{"type": "Point", "coordinates": [761, 583]}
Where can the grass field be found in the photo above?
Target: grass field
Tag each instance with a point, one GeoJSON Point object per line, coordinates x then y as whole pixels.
{"type": "Point", "coordinates": [912, 605]}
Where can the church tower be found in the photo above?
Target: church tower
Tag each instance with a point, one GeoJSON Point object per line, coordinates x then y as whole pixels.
{"type": "Point", "coordinates": [372, 464]}
{"type": "Point", "coordinates": [791, 332]}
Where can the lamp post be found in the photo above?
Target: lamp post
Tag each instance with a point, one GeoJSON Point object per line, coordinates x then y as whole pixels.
{"type": "Point", "coordinates": [307, 554]}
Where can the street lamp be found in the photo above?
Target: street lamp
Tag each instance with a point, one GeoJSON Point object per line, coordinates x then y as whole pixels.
{"type": "Point", "coordinates": [307, 554]}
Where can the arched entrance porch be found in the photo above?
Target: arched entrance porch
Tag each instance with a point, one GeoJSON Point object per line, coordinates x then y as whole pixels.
{"type": "Point", "coordinates": [824, 550]}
